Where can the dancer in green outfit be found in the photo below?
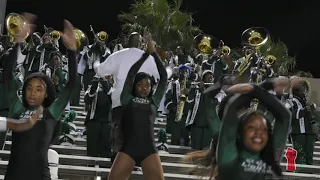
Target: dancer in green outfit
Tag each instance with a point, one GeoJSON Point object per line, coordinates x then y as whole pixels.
{"type": "Point", "coordinates": [38, 90]}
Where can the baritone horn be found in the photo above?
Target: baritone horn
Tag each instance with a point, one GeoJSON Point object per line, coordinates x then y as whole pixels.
{"type": "Point", "coordinates": [14, 24]}
{"type": "Point", "coordinates": [55, 35]}
{"type": "Point", "coordinates": [81, 38]}
{"type": "Point", "coordinates": [270, 59]}
{"type": "Point", "coordinates": [255, 37]}
{"type": "Point", "coordinates": [205, 43]}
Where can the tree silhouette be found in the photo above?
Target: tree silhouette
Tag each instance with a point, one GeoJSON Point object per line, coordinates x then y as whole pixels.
{"type": "Point", "coordinates": [169, 26]}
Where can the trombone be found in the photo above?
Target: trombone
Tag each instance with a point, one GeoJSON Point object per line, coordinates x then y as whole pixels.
{"type": "Point", "coordinates": [101, 36]}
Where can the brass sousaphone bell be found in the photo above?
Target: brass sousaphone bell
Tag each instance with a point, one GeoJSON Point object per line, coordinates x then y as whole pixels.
{"type": "Point", "coordinates": [14, 25]}
{"type": "Point", "coordinates": [206, 43]}
{"type": "Point", "coordinates": [255, 37]}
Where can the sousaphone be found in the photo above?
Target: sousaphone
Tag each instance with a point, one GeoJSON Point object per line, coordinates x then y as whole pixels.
{"type": "Point", "coordinates": [206, 43]}
{"type": "Point", "coordinates": [255, 37]}
{"type": "Point", "coordinates": [14, 24]}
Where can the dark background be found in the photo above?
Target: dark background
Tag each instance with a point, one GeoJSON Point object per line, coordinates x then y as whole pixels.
{"type": "Point", "coordinates": [295, 23]}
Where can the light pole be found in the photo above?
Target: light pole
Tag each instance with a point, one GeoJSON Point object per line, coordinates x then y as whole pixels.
{"type": "Point", "coordinates": [3, 5]}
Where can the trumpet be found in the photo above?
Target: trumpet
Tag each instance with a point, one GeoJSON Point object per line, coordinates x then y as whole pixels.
{"type": "Point", "coordinates": [55, 35]}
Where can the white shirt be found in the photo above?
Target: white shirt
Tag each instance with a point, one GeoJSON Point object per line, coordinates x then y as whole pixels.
{"type": "Point", "coordinates": [119, 64]}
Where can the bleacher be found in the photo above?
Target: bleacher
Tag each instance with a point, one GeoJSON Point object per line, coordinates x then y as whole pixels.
{"type": "Point", "coordinates": [75, 165]}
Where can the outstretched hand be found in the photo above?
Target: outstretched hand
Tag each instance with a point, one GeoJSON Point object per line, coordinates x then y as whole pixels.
{"type": "Point", "coordinates": [150, 44]}
{"type": "Point", "coordinates": [68, 36]}
{"type": "Point", "coordinates": [27, 29]}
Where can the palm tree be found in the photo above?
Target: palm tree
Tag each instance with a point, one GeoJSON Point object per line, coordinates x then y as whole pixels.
{"type": "Point", "coordinates": [169, 26]}
{"type": "Point", "coordinates": [285, 64]}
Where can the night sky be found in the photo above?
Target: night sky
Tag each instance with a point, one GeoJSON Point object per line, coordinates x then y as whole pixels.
{"type": "Point", "coordinates": [295, 23]}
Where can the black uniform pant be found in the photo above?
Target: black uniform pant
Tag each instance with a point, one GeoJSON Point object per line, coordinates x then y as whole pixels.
{"type": "Point", "coordinates": [75, 98]}
{"type": "Point", "coordinates": [87, 78]}
{"type": "Point", "coordinates": [200, 137]}
{"type": "Point", "coordinates": [178, 133]}
{"type": "Point", "coordinates": [304, 145]}
{"type": "Point", "coordinates": [98, 134]}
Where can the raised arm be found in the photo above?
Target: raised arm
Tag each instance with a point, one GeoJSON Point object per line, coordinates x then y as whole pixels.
{"type": "Point", "coordinates": [157, 97]}
{"type": "Point", "coordinates": [128, 85]}
{"type": "Point", "coordinates": [58, 106]}
{"type": "Point", "coordinates": [227, 149]}
{"type": "Point", "coordinates": [9, 78]}
{"type": "Point", "coordinates": [282, 118]}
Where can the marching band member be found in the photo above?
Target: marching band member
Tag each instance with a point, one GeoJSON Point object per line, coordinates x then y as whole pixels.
{"type": "Point", "coordinates": [120, 44]}
{"type": "Point", "coordinates": [302, 134]}
{"type": "Point", "coordinates": [75, 99]}
{"type": "Point", "coordinates": [140, 105]}
{"type": "Point", "coordinates": [181, 56]}
{"type": "Point", "coordinates": [97, 121]}
{"type": "Point", "coordinates": [201, 118]}
{"type": "Point", "coordinates": [175, 90]}
{"type": "Point", "coordinates": [29, 49]}
{"type": "Point", "coordinates": [43, 51]}
{"type": "Point", "coordinates": [218, 65]}
{"type": "Point", "coordinates": [38, 90]}
{"type": "Point", "coordinates": [88, 73]}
